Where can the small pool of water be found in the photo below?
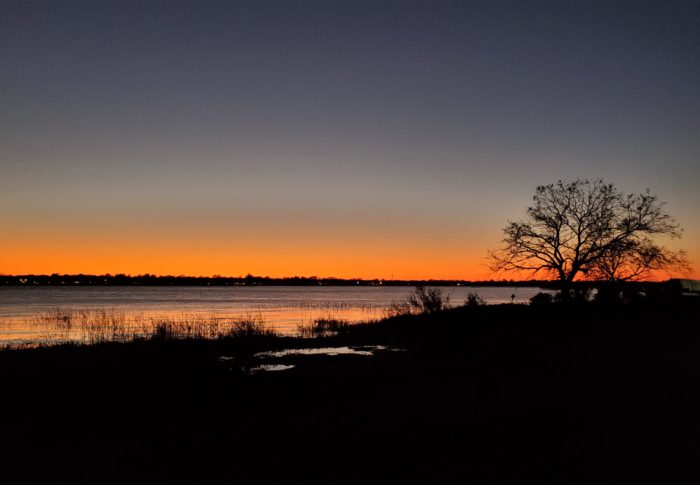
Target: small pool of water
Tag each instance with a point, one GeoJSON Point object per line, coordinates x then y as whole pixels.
{"type": "Point", "coordinates": [270, 368]}
{"type": "Point", "coordinates": [365, 350]}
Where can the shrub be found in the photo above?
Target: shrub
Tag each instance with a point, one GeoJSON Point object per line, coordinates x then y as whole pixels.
{"type": "Point", "coordinates": [423, 300]}
{"type": "Point", "coordinates": [474, 300]}
{"type": "Point", "coordinates": [542, 299]}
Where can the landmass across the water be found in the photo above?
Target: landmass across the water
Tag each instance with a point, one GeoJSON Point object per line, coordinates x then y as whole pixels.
{"type": "Point", "coordinates": [248, 280]}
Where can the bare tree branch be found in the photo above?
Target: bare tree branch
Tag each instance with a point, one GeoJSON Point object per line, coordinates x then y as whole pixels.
{"type": "Point", "coordinates": [589, 228]}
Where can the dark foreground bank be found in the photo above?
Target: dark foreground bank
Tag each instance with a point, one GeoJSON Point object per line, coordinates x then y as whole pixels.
{"type": "Point", "coordinates": [503, 394]}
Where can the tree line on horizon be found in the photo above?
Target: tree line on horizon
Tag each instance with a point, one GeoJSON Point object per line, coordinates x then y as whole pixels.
{"type": "Point", "coordinates": [575, 233]}
{"type": "Point", "coordinates": [248, 280]}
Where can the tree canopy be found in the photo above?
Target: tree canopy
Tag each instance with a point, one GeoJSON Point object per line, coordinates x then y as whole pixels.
{"type": "Point", "coordinates": [589, 229]}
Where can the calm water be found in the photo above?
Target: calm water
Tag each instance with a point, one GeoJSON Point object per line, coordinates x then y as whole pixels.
{"type": "Point", "coordinates": [23, 311]}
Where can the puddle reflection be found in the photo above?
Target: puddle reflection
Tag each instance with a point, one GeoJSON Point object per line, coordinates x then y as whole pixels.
{"type": "Point", "coordinates": [270, 368]}
{"type": "Point", "coordinates": [365, 350]}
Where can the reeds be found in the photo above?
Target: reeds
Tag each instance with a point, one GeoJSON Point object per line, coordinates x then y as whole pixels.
{"type": "Point", "coordinates": [96, 326]}
{"type": "Point", "coordinates": [333, 306]}
{"type": "Point", "coordinates": [322, 327]}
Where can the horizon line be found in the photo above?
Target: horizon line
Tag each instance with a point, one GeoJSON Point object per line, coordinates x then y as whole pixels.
{"type": "Point", "coordinates": [250, 276]}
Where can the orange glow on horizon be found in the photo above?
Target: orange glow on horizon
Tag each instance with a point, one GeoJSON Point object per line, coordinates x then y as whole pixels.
{"type": "Point", "coordinates": [350, 261]}
{"type": "Point", "coordinates": [362, 248]}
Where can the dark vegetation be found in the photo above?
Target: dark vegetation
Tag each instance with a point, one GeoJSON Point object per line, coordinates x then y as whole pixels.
{"type": "Point", "coordinates": [323, 327]}
{"type": "Point", "coordinates": [99, 326]}
{"type": "Point", "coordinates": [601, 391]}
{"type": "Point", "coordinates": [422, 301]}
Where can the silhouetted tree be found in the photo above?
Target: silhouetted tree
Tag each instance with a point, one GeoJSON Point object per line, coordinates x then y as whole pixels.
{"type": "Point", "coordinates": [588, 228]}
{"type": "Point", "coordinates": [636, 260]}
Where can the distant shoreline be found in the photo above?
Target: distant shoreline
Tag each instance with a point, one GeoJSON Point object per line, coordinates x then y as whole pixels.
{"type": "Point", "coordinates": [249, 280]}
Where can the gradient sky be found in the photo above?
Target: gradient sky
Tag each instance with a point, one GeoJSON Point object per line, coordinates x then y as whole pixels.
{"type": "Point", "coordinates": [329, 138]}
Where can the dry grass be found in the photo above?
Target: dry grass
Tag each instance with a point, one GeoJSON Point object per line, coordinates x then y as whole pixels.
{"type": "Point", "coordinates": [95, 326]}
{"type": "Point", "coordinates": [333, 306]}
{"type": "Point", "coordinates": [322, 327]}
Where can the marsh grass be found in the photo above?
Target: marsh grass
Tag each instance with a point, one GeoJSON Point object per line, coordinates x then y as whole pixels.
{"type": "Point", "coordinates": [335, 306]}
{"type": "Point", "coordinates": [322, 327]}
{"type": "Point", "coordinates": [97, 326]}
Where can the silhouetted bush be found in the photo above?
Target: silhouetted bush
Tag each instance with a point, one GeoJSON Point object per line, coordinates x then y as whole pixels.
{"type": "Point", "coordinates": [162, 331]}
{"type": "Point", "coordinates": [608, 295]}
{"type": "Point", "coordinates": [542, 299]}
{"type": "Point", "coordinates": [474, 300]}
{"type": "Point", "coordinates": [422, 300]}
{"type": "Point", "coordinates": [619, 294]}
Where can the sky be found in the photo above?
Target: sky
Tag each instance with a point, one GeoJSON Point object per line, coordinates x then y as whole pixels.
{"type": "Point", "coordinates": [330, 138]}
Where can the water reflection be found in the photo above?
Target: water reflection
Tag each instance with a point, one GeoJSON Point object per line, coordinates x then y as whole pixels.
{"type": "Point", "coordinates": [365, 350]}
{"type": "Point", "coordinates": [51, 314]}
{"type": "Point", "coordinates": [270, 368]}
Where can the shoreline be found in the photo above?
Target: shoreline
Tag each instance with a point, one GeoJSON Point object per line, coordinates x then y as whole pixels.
{"type": "Point", "coordinates": [29, 280]}
{"type": "Point", "coordinates": [555, 394]}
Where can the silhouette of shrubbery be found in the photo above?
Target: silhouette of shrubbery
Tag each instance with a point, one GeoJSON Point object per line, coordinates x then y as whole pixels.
{"type": "Point", "coordinates": [422, 300]}
{"type": "Point", "coordinates": [474, 300]}
{"type": "Point", "coordinates": [542, 299]}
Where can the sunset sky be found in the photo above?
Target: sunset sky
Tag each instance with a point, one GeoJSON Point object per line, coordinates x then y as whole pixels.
{"type": "Point", "coordinates": [329, 138]}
